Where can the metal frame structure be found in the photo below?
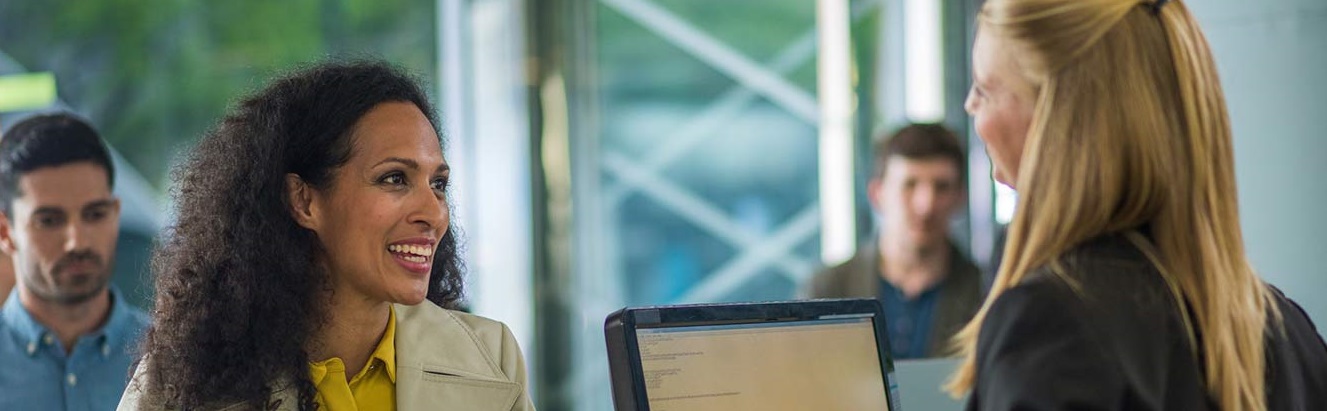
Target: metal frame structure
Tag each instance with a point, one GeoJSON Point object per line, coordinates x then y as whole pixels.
{"type": "Point", "coordinates": [595, 275]}
{"type": "Point", "coordinates": [570, 180]}
{"type": "Point", "coordinates": [767, 80]}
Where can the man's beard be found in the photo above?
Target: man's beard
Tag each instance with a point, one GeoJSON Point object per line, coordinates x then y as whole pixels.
{"type": "Point", "coordinates": [62, 291]}
{"type": "Point", "coordinates": [928, 244]}
{"type": "Point", "coordinates": [926, 250]}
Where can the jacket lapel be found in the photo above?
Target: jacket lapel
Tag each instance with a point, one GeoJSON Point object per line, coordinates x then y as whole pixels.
{"type": "Point", "coordinates": [865, 279]}
{"type": "Point", "coordinates": [960, 298]}
{"type": "Point", "coordinates": [440, 363]}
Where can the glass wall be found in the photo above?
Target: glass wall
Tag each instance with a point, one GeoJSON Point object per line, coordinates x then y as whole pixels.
{"type": "Point", "coordinates": [686, 133]}
{"type": "Point", "coordinates": [707, 178]}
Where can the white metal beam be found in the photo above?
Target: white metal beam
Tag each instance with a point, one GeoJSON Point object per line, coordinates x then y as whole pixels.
{"type": "Point", "coordinates": [740, 270]}
{"type": "Point", "coordinates": [695, 209]}
{"type": "Point", "coordinates": [720, 56]}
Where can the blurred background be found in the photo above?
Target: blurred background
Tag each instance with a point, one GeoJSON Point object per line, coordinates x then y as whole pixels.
{"type": "Point", "coordinates": [611, 153]}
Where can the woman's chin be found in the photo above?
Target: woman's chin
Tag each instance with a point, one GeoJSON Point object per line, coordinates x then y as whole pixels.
{"type": "Point", "coordinates": [411, 298]}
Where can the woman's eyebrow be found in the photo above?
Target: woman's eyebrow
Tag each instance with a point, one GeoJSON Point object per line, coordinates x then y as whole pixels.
{"type": "Point", "coordinates": [412, 164]}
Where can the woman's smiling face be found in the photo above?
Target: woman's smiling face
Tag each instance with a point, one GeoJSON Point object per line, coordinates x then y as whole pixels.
{"type": "Point", "coordinates": [381, 218]}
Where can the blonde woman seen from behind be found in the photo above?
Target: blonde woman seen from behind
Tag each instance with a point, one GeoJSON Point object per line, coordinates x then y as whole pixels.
{"type": "Point", "coordinates": [1124, 283]}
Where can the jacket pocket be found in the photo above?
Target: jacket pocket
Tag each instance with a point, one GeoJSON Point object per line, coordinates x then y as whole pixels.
{"type": "Point", "coordinates": [440, 390]}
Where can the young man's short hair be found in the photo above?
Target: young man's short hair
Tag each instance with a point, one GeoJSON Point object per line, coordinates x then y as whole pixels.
{"type": "Point", "coordinates": [919, 142]}
{"type": "Point", "coordinates": [47, 140]}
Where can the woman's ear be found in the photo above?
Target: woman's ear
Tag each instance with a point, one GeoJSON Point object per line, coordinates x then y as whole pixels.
{"type": "Point", "coordinates": [300, 197]}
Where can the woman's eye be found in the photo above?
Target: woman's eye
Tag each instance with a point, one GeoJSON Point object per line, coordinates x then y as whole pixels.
{"type": "Point", "coordinates": [439, 184]}
{"type": "Point", "coordinates": [393, 179]}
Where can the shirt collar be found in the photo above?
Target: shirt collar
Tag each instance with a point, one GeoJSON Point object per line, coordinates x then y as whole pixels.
{"type": "Point", "coordinates": [21, 324]}
{"type": "Point", "coordinates": [120, 327]}
{"type": "Point", "coordinates": [124, 323]}
{"type": "Point", "coordinates": [386, 351]}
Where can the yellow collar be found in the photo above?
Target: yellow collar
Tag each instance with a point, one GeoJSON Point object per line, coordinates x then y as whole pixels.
{"type": "Point", "coordinates": [385, 353]}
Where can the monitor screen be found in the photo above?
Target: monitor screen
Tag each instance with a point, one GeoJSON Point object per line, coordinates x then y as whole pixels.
{"type": "Point", "coordinates": [822, 364]}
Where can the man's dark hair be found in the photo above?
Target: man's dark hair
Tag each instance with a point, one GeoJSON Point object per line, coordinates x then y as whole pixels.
{"type": "Point", "coordinates": [919, 142]}
{"type": "Point", "coordinates": [47, 140]}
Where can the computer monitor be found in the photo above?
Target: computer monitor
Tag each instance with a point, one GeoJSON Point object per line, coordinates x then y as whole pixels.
{"type": "Point", "coordinates": [797, 355]}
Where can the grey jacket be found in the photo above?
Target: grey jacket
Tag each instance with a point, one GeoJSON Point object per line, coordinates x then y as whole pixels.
{"type": "Point", "coordinates": [444, 359]}
{"type": "Point", "coordinates": [960, 292]}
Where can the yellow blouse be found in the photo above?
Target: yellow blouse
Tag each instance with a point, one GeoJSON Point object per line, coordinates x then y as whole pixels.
{"type": "Point", "coordinates": [373, 388]}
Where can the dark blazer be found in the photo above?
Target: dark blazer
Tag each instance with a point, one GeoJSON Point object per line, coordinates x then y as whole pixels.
{"type": "Point", "coordinates": [1117, 343]}
{"type": "Point", "coordinates": [960, 296]}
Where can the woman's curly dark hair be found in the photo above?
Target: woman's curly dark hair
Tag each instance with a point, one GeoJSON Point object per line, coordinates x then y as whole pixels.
{"type": "Point", "coordinates": [236, 276]}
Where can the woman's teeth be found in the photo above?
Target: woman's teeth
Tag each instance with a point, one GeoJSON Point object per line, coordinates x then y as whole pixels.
{"type": "Point", "coordinates": [415, 254]}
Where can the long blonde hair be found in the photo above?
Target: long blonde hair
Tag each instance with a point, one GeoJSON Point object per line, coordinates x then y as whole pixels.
{"type": "Point", "coordinates": [1129, 132]}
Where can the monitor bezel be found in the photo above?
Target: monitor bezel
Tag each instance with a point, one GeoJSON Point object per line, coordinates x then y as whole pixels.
{"type": "Point", "coordinates": [690, 315]}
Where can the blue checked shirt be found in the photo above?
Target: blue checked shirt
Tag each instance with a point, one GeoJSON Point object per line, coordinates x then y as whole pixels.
{"type": "Point", "coordinates": [36, 374]}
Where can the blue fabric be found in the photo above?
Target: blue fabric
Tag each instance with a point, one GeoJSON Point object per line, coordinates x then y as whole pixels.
{"type": "Point", "coordinates": [908, 321]}
{"type": "Point", "coordinates": [35, 373]}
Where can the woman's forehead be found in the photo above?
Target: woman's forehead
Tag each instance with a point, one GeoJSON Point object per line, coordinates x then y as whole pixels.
{"type": "Point", "coordinates": [996, 62]}
{"type": "Point", "coordinates": [399, 130]}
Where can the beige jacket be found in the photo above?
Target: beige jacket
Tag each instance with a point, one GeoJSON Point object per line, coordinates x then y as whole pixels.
{"type": "Point", "coordinates": [444, 359]}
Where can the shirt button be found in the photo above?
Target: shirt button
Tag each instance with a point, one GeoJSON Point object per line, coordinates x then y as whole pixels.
{"type": "Point", "coordinates": [32, 347]}
{"type": "Point", "coordinates": [105, 350]}
{"type": "Point", "coordinates": [48, 339]}
{"type": "Point", "coordinates": [72, 379]}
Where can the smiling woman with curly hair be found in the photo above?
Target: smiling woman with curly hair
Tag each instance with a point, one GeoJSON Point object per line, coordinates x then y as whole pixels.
{"type": "Point", "coordinates": [312, 226]}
